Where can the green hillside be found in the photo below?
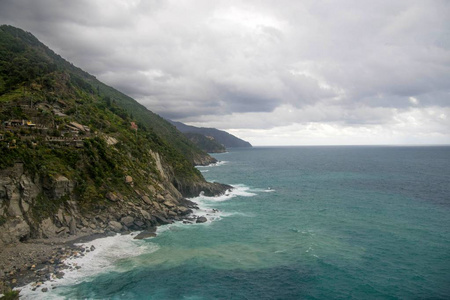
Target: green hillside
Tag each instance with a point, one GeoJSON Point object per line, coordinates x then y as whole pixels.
{"type": "Point", "coordinates": [39, 87]}
{"type": "Point", "coordinates": [206, 143]}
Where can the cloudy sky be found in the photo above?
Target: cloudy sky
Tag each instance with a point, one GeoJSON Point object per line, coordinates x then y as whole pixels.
{"type": "Point", "coordinates": [272, 72]}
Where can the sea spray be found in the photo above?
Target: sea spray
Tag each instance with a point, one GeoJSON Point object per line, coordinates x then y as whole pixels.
{"type": "Point", "coordinates": [102, 255]}
{"type": "Point", "coordinates": [311, 222]}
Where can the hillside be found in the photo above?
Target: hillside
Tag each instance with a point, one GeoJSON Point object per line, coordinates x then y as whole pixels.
{"type": "Point", "coordinates": [79, 156]}
{"type": "Point", "coordinates": [226, 139]}
{"type": "Point", "coordinates": [206, 143]}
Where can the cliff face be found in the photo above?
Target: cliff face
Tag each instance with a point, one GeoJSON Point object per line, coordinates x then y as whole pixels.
{"type": "Point", "coordinates": [36, 207]}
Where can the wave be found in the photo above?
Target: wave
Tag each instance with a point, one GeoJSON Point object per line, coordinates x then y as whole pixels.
{"type": "Point", "coordinates": [112, 253]}
{"type": "Point", "coordinates": [216, 164]}
{"type": "Point", "coordinates": [266, 190]}
{"type": "Point", "coordinates": [108, 254]}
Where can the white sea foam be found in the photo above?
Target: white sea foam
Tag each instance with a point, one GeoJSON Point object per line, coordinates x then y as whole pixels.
{"type": "Point", "coordinates": [108, 253]}
{"type": "Point", "coordinates": [216, 164]}
{"type": "Point", "coordinates": [207, 205]}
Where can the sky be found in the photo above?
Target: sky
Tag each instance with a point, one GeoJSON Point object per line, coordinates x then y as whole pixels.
{"type": "Point", "coordinates": [311, 72]}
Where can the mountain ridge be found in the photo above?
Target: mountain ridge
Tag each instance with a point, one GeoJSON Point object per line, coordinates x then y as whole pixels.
{"type": "Point", "coordinates": [226, 139]}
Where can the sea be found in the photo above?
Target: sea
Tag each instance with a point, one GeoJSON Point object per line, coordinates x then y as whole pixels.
{"type": "Point", "coordinates": [328, 222]}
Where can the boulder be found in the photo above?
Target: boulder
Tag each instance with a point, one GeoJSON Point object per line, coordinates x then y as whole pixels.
{"type": "Point", "coordinates": [145, 214]}
{"type": "Point", "coordinates": [201, 219]}
{"type": "Point", "coordinates": [62, 186]}
{"type": "Point", "coordinates": [139, 223]}
{"type": "Point", "coordinates": [161, 220]}
{"type": "Point", "coordinates": [73, 227]}
{"type": "Point", "coordinates": [169, 204]}
{"type": "Point", "coordinates": [115, 226]}
{"type": "Point", "coordinates": [14, 207]}
{"type": "Point", "coordinates": [127, 221]}
{"type": "Point", "coordinates": [111, 196]}
{"type": "Point", "coordinates": [160, 198]}
{"type": "Point", "coordinates": [128, 179]}
{"type": "Point", "coordinates": [13, 230]}
{"type": "Point", "coordinates": [151, 232]}
{"type": "Point", "coordinates": [48, 228]}
{"type": "Point", "coordinates": [147, 200]}
{"type": "Point", "coordinates": [184, 210]}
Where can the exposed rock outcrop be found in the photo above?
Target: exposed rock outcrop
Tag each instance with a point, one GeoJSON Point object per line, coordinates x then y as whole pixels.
{"type": "Point", "coordinates": [22, 198]}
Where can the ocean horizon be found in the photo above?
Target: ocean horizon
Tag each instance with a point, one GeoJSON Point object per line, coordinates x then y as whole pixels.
{"type": "Point", "coordinates": [302, 222]}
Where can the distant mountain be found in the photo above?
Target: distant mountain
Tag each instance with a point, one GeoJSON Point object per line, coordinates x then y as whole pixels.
{"type": "Point", "coordinates": [206, 143]}
{"type": "Point", "coordinates": [222, 137]}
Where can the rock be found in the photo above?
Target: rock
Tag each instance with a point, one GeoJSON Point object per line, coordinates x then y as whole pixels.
{"type": "Point", "coordinates": [14, 206]}
{"type": "Point", "coordinates": [169, 204]}
{"type": "Point", "coordinates": [13, 230]}
{"type": "Point", "coordinates": [129, 179]}
{"type": "Point", "coordinates": [110, 140]}
{"type": "Point", "coordinates": [146, 234]}
{"type": "Point", "coordinates": [145, 214]}
{"type": "Point", "coordinates": [127, 221]}
{"type": "Point", "coordinates": [112, 197]}
{"type": "Point", "coordinates": [44, 290]}
{"type": "Point", "coordinates": [73, 227]}
{"type": "Point", "coordinates": [92, 248]}
{"type": "Point", "coordinates": [201, 219]}
{"type": "Point", "coordinates": [59, 230]}
{"type": "Point", "coordinates": [59, 275]}
{"type": "Point", "coordinates": [115, 226]}
{"type": "Point", "coordinates": [147, 200]}
{"type": "Point", "coordinates": [62, 186]}
{"type": "Point", "coordinates": [160, 198]}
{"type": "Point", "coordinates": [139, 224]}
{"type": "Point", "coordinates": [152, 189]}
{"type": "Point", "coordinates": [184, 210]}
{"type": "Point", "coordinates": [161, 220]}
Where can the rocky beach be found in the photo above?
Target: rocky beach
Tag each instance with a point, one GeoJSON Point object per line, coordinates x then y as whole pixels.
{"type": "Point", "coordinates": [38, 261]}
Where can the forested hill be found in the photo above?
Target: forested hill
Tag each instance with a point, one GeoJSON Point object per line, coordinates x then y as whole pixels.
{"type": "Point", "coordinates": [28, 66]}
{"type": "Point", "coordinates": [226, 139]}
{"type": "Point", "coordinates": [77, 154]}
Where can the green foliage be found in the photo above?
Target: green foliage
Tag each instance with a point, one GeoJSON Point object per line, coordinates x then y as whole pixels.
{"type": "Point", "coordinates": [207, 144]}
{"type": "Point", "coordinates": [10, 295]}
{"type": "Point", "coordinates": [32, 73]}
{"type": "Point", "coordinates": [45, 207]}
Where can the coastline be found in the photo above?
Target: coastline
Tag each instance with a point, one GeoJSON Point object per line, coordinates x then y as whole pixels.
{"type": "Point", "coordinates": [39, 261]}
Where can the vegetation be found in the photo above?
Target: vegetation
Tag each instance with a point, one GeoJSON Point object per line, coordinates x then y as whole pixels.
{"type": "Point", "coordinates": [206, 143]}
{"type": "Point", "coordinates": [79, 127]}
{"type": "Point", "coordinates": [10, 295]}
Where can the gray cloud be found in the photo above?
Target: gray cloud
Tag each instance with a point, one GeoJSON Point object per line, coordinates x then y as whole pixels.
{"type": "Point", "coordinates": [246, 65]}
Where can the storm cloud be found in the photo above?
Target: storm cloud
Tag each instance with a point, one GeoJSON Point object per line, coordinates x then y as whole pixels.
{"type": "Point", "coordinates": [284, 72]}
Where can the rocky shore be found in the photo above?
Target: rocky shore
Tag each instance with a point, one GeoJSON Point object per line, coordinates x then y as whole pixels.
{"type": "Point", "coordinates": [36, 261]}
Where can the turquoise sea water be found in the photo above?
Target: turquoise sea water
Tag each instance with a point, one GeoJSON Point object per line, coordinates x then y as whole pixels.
{"type": "Point", "coordinates": [303, 223]}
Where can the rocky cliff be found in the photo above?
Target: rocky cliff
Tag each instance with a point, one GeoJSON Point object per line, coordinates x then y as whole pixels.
{"type": "Point", "coordinates": [36, 207]}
